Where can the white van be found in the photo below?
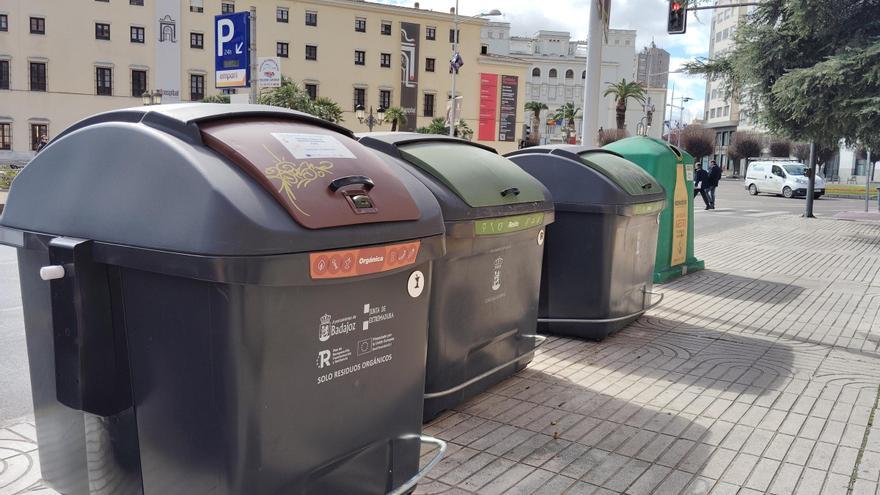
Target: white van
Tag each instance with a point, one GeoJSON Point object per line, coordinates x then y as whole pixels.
{"type": "Point", "coordinates": [785, 178]}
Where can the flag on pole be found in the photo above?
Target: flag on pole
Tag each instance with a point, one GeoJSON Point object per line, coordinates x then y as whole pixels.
{"type": "Point", "coordinates": [455, 63]}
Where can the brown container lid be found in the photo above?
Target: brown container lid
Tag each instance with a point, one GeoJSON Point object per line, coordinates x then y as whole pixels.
{"type": "Point", "coordinates": [321, 177]}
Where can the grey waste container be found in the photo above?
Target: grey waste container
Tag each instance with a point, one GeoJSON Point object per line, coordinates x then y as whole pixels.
{"type": "Point", "coordinates": [484, 298]}
{"type": "Point", "coordinates": [599, 255]}
{"type": "Point", "coordinates": [226, 299]}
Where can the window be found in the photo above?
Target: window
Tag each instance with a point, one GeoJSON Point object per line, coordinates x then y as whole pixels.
{"type": "Point", "coordinates": [552, 73]}
{"type": "Point", "coordinates": [312, 90]}
{"type": "Point", "coordinates": [4, 22]}
{"type": "Point", "coordinates": [536, 72]}
{"type": "Point", "coordinates": [4, 74]}
{"type": "Point", "coordinates": [384, 98]}
{"type": "Point", "coordinates": [584, 75]}
{"type": "Point", "coordinates": [569, 74]}
{"type": "Point", "coordinates": [311, 52]}
{"type": "Point", "coordinates": [227, 7]}
{"type": "Point", "coordinates": [38, 131]}
{"type": "Point", "coordinates": [137, 34]}
{"type": "Point", "coordinates": [38, 76]}
{"type": "Point", "coordinates": [196, 5]}
{"type": "Point", "coordinates": [138, 83]}
{"type": "Point", "coordinates": [311, 18]}
{"type": "Point", "coordinates": [385, 60]}
{"type": "Point", "coordinates": [430, 33]}
{"type": "Point", "coordinates": [428, 109]}
{"type": "Point", "coordinates": [453, 36]}
{"type": "Point", "coordinates": [712, 114]}
{"type": "Point", "coordinates": [136, 2]}
{"type": "Point", "coordinates": [360, 57]}
{"type": "Point", "coordinates": [360, 97]}
{"type": "Point", "coordinates": [104, 81]}
{"type": "Point", "coordinates": [102, 31]}
{"type": "Point", "coordinates": [281, 49]}
{"type": "Point", "coordinates": [38, 25]}
{"type": "Point", "coordinates": [196, 87]}
{"type": "Point", "coordinates": [197, 40]}
{"type": "Point", "coordinates": [282, 15]}
{"type": "Point", "coordinates": [360, 25]}
{"type": "Point", "coordinates": [386, 28]}
{"type": "Point", "coordinates": [726, 111]}
{"type": "Point", "coordinates": [484, 49]}
{"type": "Point", "coordinates": [5, 136]}
{"type": "Point", "coordinates": [429, 64]}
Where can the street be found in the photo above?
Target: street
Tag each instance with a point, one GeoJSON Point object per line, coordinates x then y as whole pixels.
{"type": "Point", "coordinates": [15, 400]}
{"type": "Point", "coordinates": [735, 207]}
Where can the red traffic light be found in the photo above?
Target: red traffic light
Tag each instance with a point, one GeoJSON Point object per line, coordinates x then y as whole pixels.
{"type": "Point", "coordinates": [677, 20]}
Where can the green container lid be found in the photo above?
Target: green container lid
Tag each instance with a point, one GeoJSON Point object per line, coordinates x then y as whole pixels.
{"type": "Point", "coordinates": [478, 176]}
{"type": "Point", "coordinates": [621, 171]}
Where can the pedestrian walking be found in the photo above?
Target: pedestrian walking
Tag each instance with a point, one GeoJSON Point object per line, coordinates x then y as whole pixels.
{"type": "Point", "coordinates": [712, 183]}
{"type": "Point", "coordinates": [701, 179]}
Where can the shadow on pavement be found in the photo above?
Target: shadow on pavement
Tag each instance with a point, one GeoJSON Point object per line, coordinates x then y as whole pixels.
{"type": "Point", "coordinates": [646, 398]}
{"type": "Point", "coordinates": [729, 286]}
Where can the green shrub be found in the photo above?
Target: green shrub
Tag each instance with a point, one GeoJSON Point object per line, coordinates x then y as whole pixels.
{"type": "Point", "coordinates": [6, 176]}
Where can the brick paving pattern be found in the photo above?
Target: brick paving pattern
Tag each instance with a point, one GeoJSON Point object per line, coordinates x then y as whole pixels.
{"type": "Point", "coordinates": [759, 375]}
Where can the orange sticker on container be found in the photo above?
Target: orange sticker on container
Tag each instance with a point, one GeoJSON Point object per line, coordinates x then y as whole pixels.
{"type": "Point", "coordinates": [363, 261]}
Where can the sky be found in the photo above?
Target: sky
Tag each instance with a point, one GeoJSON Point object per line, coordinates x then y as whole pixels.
{"type": "Point", "coordinates": [647, 17]}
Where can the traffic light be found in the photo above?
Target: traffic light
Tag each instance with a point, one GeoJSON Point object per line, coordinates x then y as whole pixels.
{"type": "Point", "coordinates": [677, 23]}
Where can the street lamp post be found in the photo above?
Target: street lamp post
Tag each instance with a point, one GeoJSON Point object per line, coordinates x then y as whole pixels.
{"type": "Point", "coordinates": [454, 69]}
{"type": "Point", "coordinates": [684, 99]}
{"type": "Point", "coordinates": [370, 120]}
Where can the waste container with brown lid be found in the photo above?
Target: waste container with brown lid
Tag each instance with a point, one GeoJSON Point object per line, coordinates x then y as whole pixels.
{"type": "Point", "coordinates": [227, 299]}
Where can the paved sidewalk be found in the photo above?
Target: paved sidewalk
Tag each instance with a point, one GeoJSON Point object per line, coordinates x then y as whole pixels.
{"type": "Point", "coordinates": [860, 216]}
{"type": "Point", "coordinates": [759, 375]}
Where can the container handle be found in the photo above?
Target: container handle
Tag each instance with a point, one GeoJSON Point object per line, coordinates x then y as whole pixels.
{"type": "Point", "coordinates": [539, 340]}
{"type": "Point", "coordinates": [350, 180]}
{"type": "Point", "coordinates": [514, 191]}
{"type": "Point", "coordinates": [424, 471]}
{"type": "Point", "coordinates": [609, 320]}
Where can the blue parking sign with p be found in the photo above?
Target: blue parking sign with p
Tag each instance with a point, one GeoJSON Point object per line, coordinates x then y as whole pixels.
{"type": "Point", "coordinates": [232, 40]}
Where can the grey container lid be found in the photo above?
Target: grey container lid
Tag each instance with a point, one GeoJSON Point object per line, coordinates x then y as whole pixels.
{"type": "Point", "coordinates": [144, 177]}
{"type": "Point", "coordinates": [581, 178]}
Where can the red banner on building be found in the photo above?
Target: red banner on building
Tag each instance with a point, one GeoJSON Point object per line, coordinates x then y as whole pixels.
{"type": "Point", "coordinates": [488, 107]}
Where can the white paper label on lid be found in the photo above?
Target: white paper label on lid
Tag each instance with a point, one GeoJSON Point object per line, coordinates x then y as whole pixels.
{"type": "Point", "coordinates": [304, 146]}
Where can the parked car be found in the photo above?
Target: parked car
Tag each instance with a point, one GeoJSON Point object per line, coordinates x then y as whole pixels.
{"type": "Point", "coordinates": [786, 178]}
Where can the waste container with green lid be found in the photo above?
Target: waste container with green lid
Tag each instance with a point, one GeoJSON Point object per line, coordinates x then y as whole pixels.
{"type": "Point", "coordinates": [484, 299]}
{"type": "Point", "coordinates": [226, 299]}
{"type": "Point", "coordinates": [674, 169]}
{"type": "Point", "coordinates": [599, 253]}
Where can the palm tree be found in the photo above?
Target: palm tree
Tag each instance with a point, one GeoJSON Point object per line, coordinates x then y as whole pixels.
{"type": "Point", "coordinates": [567, 113]}
{"type": "Point", "coordinates": [291, 95]}
{"type": "Point", "coordinates": [397, 117]}
{"type": "Point", "coordinates": [622, 92]}
{"type": "Point", "coordinates": [326, 109]}
{"type": "Point", "coordinates": [535, 107]}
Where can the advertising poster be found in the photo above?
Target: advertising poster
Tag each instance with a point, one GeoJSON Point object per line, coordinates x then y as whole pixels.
{"type": "Point", "coordinates": [168, 50]}
{"type": "Point", "coordinates": [488, 106]}
{"type": "Point", "coordinates": [507, 125]}
{"type": "Point", "coordinates": [409, 73]}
